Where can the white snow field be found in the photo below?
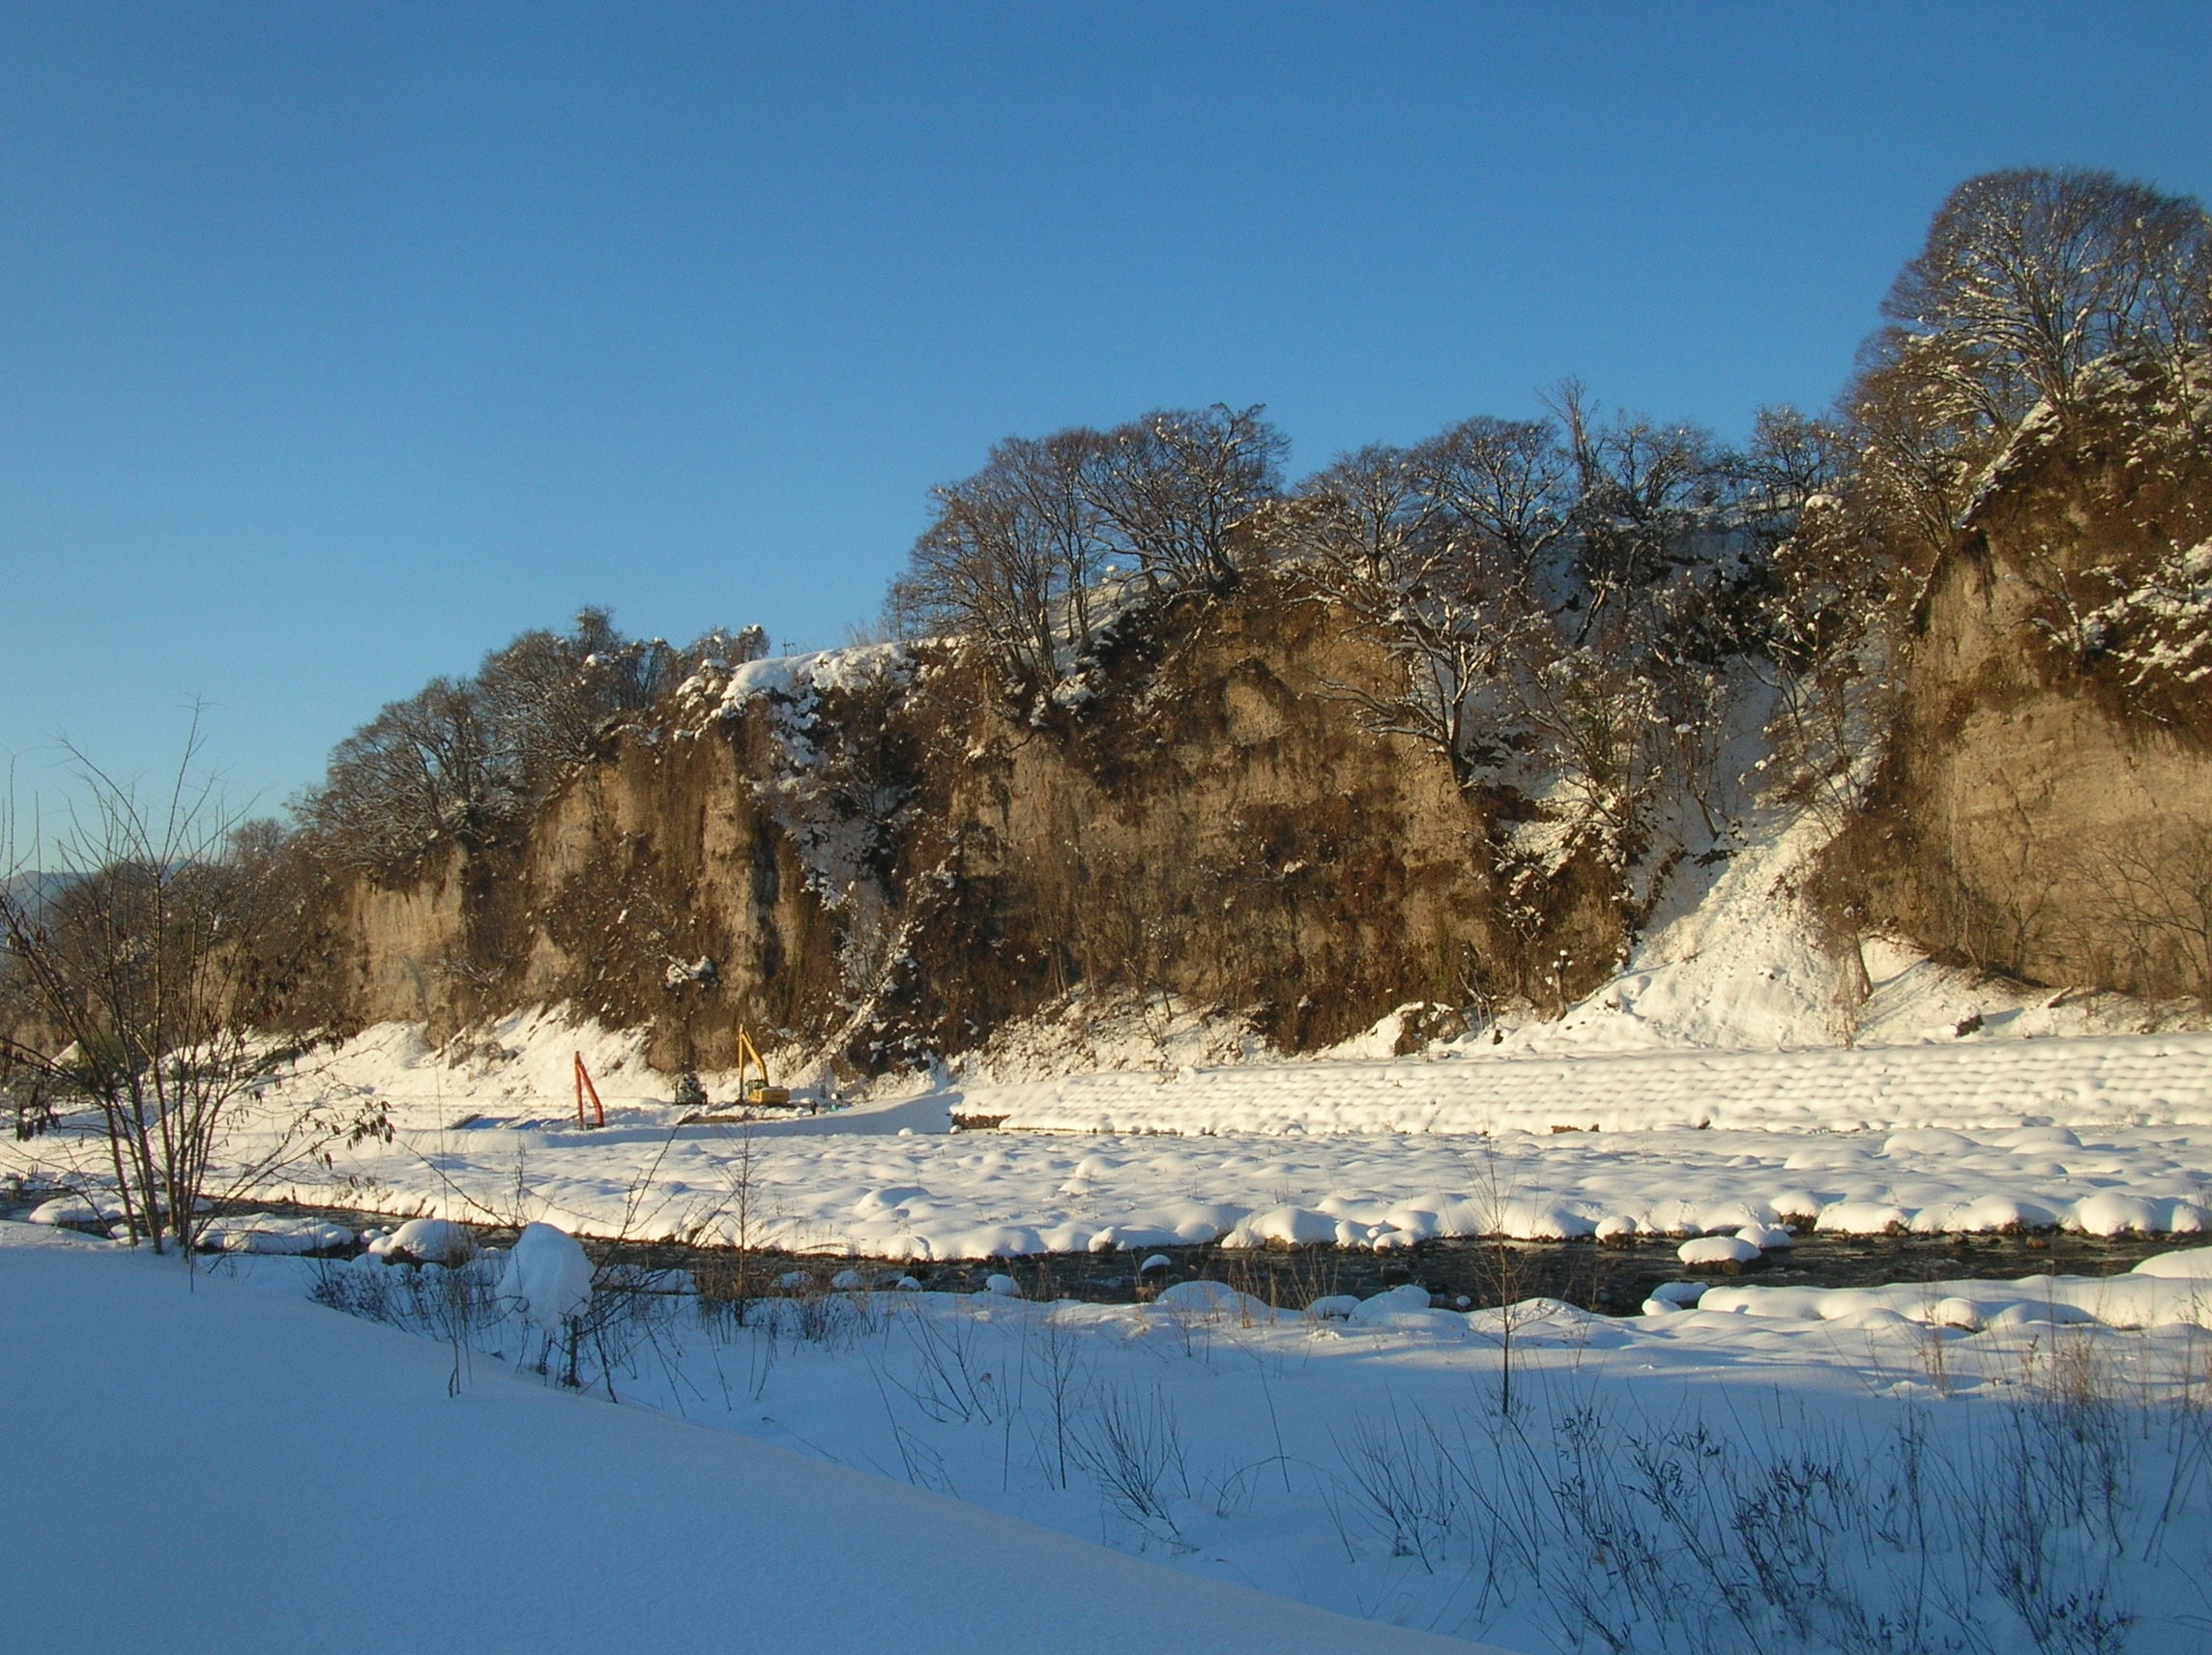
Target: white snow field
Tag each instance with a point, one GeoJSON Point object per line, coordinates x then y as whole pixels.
{"type": "Point", "coordinates": [2125, 1081]}
{"type": "Point", "coordinates": [2104, 1134]}
{"type": "Point", "coordinates": [201, 1466]}
{"type": "Point", "coordinates": [1963, 1465]}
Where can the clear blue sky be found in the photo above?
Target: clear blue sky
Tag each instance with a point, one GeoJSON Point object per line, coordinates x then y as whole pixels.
{"type": "Point", "coordinates": [341, 342]}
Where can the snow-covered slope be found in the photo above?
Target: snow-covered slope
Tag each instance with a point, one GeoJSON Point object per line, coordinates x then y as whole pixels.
{"type": "Point", "coordinates": [1730, 961]}
{"type": "Point", "coordinates": [204, 1467]}
{"type": "Point", "coordinates": [1358, 1457]}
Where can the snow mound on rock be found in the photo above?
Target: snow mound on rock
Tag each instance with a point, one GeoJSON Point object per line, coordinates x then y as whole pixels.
{"type": "Point", "coordinates": [548, 1276]}
{"type": "Point", "coordinates": [428, 1241]}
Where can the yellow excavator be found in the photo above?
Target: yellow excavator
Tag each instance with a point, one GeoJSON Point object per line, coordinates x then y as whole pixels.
{"type": "Point", "coordinates": [756, 1091]}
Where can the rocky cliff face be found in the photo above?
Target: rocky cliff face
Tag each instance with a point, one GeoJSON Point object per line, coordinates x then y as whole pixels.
{"type": "Point", "coordinates": [871, 854]}
{"type": "Point", "coordinates": [2047, 808]}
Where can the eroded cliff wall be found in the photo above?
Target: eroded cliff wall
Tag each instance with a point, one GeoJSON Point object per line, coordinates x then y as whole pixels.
{"type": "Point", "coordinates": [2046, 807]}
{"type": "Point", "coordinates": [889, 860]}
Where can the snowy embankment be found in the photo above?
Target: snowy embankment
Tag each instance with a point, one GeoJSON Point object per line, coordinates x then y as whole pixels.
{"type": "Point", "coordinates": [1967, 1466]}
{"type": "Point", "coordinates": [226, 1468]}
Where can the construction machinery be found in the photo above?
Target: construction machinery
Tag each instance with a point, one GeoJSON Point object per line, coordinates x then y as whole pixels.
{"type": "Point", "coordinates": [760, 1091]}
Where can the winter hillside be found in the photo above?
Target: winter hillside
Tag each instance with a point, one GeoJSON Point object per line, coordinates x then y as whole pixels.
{"type": "Point", "coordinates": [1699, 1089]}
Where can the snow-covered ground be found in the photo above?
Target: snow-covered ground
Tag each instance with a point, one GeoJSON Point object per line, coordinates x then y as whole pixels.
{"type": "Point", "coordinates": [2003, 1085]}
{"type": "Point", "coordinates": [198, 1465]}
{"type": "Point", "coordinates": [878, 1181]}
{"type": "Point", "coordinates": [1978, 1466]}
{"type": "Point", "coordinates": [2104, 1134]}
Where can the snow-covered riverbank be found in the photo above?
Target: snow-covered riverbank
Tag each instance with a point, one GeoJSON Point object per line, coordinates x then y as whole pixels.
{"type": "Point", "coordinates": [2106, 1135]}
{"type": "Point", "coordinates": [215, 1468]}
{"type": "Point", "coordinates": [1969, 1466]}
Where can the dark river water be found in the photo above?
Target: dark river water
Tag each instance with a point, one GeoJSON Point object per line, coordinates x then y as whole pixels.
{"type": "Point", "coordinates": [1615, 1280]}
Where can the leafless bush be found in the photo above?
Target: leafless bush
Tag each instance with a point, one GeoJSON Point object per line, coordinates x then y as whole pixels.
{"type": "Point", "coordinates": [455, 1306]}
{"type": "Point", "coordinates": [1500, 1267]}
{"type": "Point", "coordinates": [1057, 1367]}
{"type": "Point", "coordinates": [952, 1380]}
{"type": "Point", "coordinates": [1779, 1533]}
{"type": "Point", "coordinates": [1132, 1445]}
{"type": "Point", "coordinates": [138, 979]}
{"type": "Point", "coordinates": [632, 1311]}
{"type": "Point", "coordinates": [1405, 1482]}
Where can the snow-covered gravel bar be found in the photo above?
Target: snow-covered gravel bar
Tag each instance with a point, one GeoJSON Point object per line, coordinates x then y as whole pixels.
{"type": "Point", "coordinates": [2106, 1136]}
{"type": "Point", "coordinates": [978, 1195]}
{"type": "Point", "coordinates": [2114, 1081]}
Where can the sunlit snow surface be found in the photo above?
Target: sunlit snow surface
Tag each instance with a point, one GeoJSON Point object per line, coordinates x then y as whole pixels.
{"type": "Point", "coordinates": [1928, 1138]}
{"type": "Point", "coordinates": [1371, 1459]}
{"type": "Point", "coordinates": [200, 1466]}
{"type": "Point", "coordinates": [2104, 1134]}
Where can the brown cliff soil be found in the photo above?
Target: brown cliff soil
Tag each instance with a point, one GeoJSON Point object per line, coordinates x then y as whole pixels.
{"type": "Point", "coordinates": [1213, 824]}
{"type": "Point", "coordinates": [2045, 809]}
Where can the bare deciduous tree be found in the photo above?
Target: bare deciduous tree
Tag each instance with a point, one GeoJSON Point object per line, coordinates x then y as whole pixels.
{"type": "Point", "coordinates": [1555, 611]}
{"type": "Point", "coordinates": [1176, 487]}
{"type": "Point", "coordinates": [1643, 492]}
{"type": "Point", "coordinates": [1387, 536]}
{"type": "Point", "coordinates": [462, 757]}
{"type": "Point", "coordinates": [1794, 459]}
{"type": "Point", "coordinates": [137, 982]}
{"type": "Point", "coordinates": [422, 768]}
{"type": "Point", "coordinates": [2031, 275]}
{"type": "Point", "coordinates": [1014, 555]}
{"type": "Point", "coordinates": [1504, 483]}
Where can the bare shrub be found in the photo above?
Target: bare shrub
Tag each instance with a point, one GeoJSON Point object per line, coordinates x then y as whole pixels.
{"type": "Point", "coordinates": [1786, 1531]}
{"type": "Point", "coordinates": [952, 1380]}
{"type": "Point", "coordinates": [1404, 1480]}
{"type": "Point", "coordinates": [455, 1306]}
{"type": "Point", "coordinates": [1061, 1376]}
{"type": "Point", "coordinates": [1131, 1443]}
{"type": "Point", "coordinates": [138, 979]}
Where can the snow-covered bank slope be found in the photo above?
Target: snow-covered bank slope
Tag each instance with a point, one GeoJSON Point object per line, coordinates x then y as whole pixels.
{"type": "Point", "coordinates": [1992, 1463]}
{"type": "Point", "coordinates": [2131, 1081]}
{"type": "Point", "coordinates": [219, 1468]}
